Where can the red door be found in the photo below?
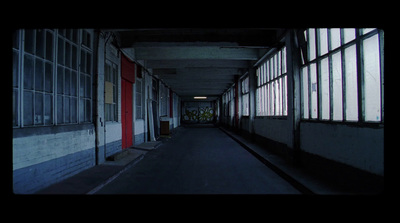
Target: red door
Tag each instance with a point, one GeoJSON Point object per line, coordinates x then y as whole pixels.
{"type": "Point", "coordinates": [126, 113]}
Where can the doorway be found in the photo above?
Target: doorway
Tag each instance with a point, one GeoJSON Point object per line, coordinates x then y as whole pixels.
{"type": "Point", "coordinates": [126, 113]}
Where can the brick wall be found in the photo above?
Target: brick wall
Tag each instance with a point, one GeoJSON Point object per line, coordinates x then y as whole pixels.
{"type": "Point", "coordinates": [40, 160]}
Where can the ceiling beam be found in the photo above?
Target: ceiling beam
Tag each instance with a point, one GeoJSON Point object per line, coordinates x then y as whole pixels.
{"type": "Point", "coordinates": [232, 36]}
{"type": "Point", "coordinates": [195, 53]}
{"type": "Point", "coordinates": [185, 63]}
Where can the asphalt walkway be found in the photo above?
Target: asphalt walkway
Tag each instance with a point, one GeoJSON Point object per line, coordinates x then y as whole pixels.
{"type": "Point", "coordinates": [199, 161]}
{"type": "Point", "coordinates": [195, 160]}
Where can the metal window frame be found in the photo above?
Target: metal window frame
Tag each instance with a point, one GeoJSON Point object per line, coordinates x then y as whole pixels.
{"type": "Point", "coordinates": [357, 41]}
{"type": "Point", "coordinates": [267, 78]}
{"type": "Point", "coordinates": [141, 80]}
{"type": "Point", "coordinates": [80, 47]}
{"type": "Point", "coordinates": [244, 92]}
{"type": "Point", "coordinates": [114, 80]}
{"type": "Point", "coordinates": [63, 95]}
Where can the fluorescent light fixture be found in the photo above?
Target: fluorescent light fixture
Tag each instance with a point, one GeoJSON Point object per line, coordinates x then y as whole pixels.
{"type": "Point", "coordinates": [200, 97]}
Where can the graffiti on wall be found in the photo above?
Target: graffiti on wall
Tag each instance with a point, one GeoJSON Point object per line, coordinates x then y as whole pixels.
{"type": "Point", "coordinates": [190, 114]}
{"type": "Point", "coordinates": [198, 114]}
{"type": "Point", "coordinates": [206, 114]}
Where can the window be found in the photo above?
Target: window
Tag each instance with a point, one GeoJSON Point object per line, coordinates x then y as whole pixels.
{"type": "Point", "coordinates": [111, 91]}
{"type": "Point", "coordinates": [245, 97]}
{"type": "Point", "coordinates": [271, 93]}
{"type": "Point", "coordinates": [139, 98]}
{"type": "Point", "coordinates": [164, 99]}
{"type": "Point", "coordinates": [344, 82]}
{"type": "Point", "coordinates": [67, 77]}
{"type": "Point", "coordinates": [47, 77]}
{"type": "Point", "coordinates": [226, 99]}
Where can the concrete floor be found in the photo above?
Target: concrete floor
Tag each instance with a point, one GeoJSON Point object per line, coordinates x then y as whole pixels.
{"type": "Point", "coordinates": [199, 161]}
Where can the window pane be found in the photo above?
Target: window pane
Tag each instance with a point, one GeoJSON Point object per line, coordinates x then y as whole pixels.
{"type": "Point", "coordinates": [279, 94]}
{"type": "Point", "coordinates": [60, 109]}
{"type": "Point", "coordinates": [15, 69]}
{"type": "Point", "coordinates": [314, 90]}
{"type": "Point", "coordinates": [28, 108]}
{"type": "Point", "coordinates": [285, 102]}
{"type": "Point", "coordinates": [82, 110]}
{"type": "Point", "coordinates": [267, 96]}
{"type": "Point", "coordinates": [335, 38]}
{"type": "Point", "coordinates": [311, 44]}
{"type": "Point", "coordinates": [38, 108]}
{"type": "Point", "coordinates": [367, 30]}
{"type": "Point", "coordinates": [49, 77]}
{"type": "Point", "coordinates": [66, 110]}
{"type": "Point", "coordinates": [87, 111]}
{"type": "Point", "coordinates": [89, 63]}
{"type": "Point", "coordinates": [29, 40]}
{"type": "Point", "coordinates": [304, 91]}
{"type": "Point", "coordinates": [271, 98]}
{"type": "Point", "coordinates": [323, 41]}
{"type": "Point", "coordinates": [60, 53]}
{"type": "Point", "coordinates": [67, 54]}
{"type": "Point", "coordinates": [74, 57]}
{"type": "Point", "coordinates": [48, 115]}
{"type": "Point", "coordinates": [279, 56]}
{"type": "Point", "coordinates": [107, 112]}
{"type": "Point", "coordinates": [39, 73]}
{"type": "Point", "coordinates": [40, 42]}
{"type": "Point", "coordinates": [351, 83]}
{"type": "Point", "coordinates": [349, 34]}
{"type": "Point", "coordinates": [15, 107]}
{"type": "Point", "coordinates": [372, 79]}
{"type": "Point", "coordinates": [258, 109]}
{"type": "Point", "coordinates": [89, 87]}
{"type": "Point", "coordinates": [275, 66]}
{"type": "Point", "coordinates": [67, 81]}
{"type": "Point", "coordinates": [49, 46]}
{"type": "Point", "coordinates": [60, 80]}
{"type": "Point", "coordinates": [74, 83]}
{"type": "Point", "coordinates": [28, 72]}
{"type": "Point", "coordinates": [324, 96]}
{"type": "Point", "coordinates": [337, 86]}
{"type": "Point", "coordinates": [83, 62]}
{"type": "Point", "coordinates": [73, 104]}
{"type": "Point", "coordinates": [245, 104]}
{"type": "Point", "coordinates": [82, 86]}
{"type": "Point", "coordinates": [284, 60]}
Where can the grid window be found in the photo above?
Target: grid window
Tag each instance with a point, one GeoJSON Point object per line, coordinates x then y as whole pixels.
{"type": "Point", "coordinates": [67, 78]}
{"type": "Point", "coordinates": [37, 74]}
{"type": "Point", "coordinates": [139, 98]}
{"type": "Point", "coordinates": [245, 96]}
{"type": "Point", "coordinates": [46, 79]}
{"type": "Point", "coordinates": [85, 99]}
{"type": "Point", "coordinates": [271, 93]}
{"type": "Point", "coordinates": [164, 98]}
{"type": "Point", "coordinates": [111, 83]}
{"type": "Point", "coordinates": [349, 75]}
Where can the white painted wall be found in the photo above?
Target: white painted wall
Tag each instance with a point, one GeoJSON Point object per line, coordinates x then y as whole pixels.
{"type": "Point", "coordinates": [360, 147]}
{"type": "Point", "coordinates": [36, 149]}
{"type": "Point", "coordinates": [275, 129]}
{"type": "Point", "coordinates": [113, 131]}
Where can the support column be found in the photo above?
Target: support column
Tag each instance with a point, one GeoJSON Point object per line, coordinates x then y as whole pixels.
{"type": "Point", "coordinates": [99, 97]}
{"type": "Point", "coordinates": [252, 98]}
{"type": "Point", "coordinates": [237, 102]}
{"type": "Point", "coordinates": [294, 105]}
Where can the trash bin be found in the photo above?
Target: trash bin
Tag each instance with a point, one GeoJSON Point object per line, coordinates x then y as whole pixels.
{"type": "Point", "coordinates": [164, 127]}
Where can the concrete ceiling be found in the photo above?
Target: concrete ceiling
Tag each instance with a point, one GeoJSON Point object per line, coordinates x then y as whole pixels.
{"type": "Point", "coordinates": [199, 62]}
